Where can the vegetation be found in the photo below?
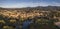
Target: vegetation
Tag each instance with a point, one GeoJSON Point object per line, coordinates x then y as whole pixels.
{"type": "Point", "coordinates": [42, 17]}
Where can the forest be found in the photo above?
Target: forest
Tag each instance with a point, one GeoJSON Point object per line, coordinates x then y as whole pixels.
{"type": "Point", "coordinates": [30, 18]}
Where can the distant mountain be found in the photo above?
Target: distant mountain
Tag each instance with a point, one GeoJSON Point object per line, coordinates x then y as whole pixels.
{"type": "Point", "coordinates": [34, 8]}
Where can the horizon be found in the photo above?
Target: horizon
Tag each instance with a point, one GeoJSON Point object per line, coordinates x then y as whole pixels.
{"type": "Point", "coordinates": [28, 3]}
{"type": "Point", "coordinates": [32, 7]}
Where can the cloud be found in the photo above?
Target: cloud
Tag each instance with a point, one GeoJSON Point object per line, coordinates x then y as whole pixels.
{"type": "Point", "coordinates": [19, 5]}
{"type": "Point", "coordinates": [55, 4]}
{"type": "Point", "coordinates": [29, 4]}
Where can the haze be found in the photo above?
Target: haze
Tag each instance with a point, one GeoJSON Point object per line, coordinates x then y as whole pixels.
{"type": "Point", "coordinates": [28, 3]}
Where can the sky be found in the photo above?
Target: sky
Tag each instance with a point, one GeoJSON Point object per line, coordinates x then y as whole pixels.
{"type": "Point", "coordinates": [28, 3]}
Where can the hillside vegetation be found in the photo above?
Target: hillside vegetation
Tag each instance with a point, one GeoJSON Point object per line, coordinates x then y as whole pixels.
{"type": "Point", "coordinates": [42, 17]}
